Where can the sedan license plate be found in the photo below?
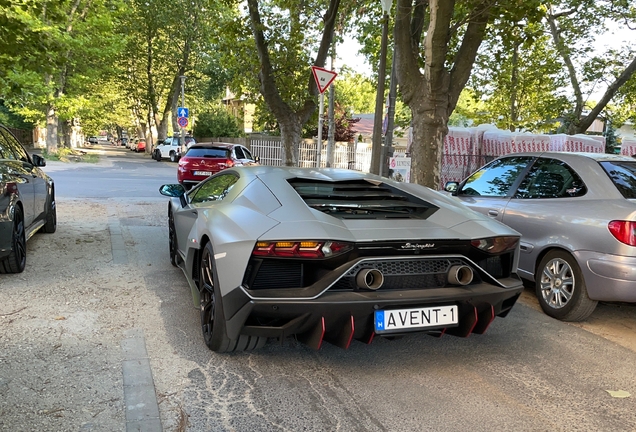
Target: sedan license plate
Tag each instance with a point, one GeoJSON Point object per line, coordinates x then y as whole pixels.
{"type": "Point", "coordinates": [203, 173]}
{"type": "Point", "coordinates": [400, 319]}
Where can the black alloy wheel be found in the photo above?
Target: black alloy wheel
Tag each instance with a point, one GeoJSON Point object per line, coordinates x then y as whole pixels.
{"type": "Point", "coordinates": [16, 261]}
{"type": "Point", "coordinates": [172, 239]}
{"type": "Point", "coordinates": [213, 324]}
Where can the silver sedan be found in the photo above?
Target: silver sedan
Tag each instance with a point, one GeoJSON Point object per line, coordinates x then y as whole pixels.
{"type": "Point", "coordinates": [577, 216]}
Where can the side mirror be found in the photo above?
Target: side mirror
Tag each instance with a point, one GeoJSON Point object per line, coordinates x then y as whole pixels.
{"type": "Point", "coordinates": [38, 160]}
{"type": "Point", "coordinates": [172, 190]}
{"type": "Point", "coordinates": [451, 186]}
{"type": "Point", "coordinates": [257, 159]}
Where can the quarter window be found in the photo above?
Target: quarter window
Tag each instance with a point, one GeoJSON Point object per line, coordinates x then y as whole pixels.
{"type": "Point", "coordinates": [496, 178]}
{"type": "Point", "coordinates": [215, 189]}
{"type": "Point", "coordinates": [239, 153]}
{"type": "Point", "coordinates": [623, 175]}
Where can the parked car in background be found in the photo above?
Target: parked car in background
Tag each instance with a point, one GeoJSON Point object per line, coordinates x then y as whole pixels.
{"type": "Point", "coordinates": [189, 142]}
{"type": "Point", "coordinates": [27, 201]}
{"type": "Point", "coordinates": [93, 140]}
{"type": "Point", "coordinates": [205, 159]}
{"type": "Point", "coordinates": [123, 141]}
{"type": "Point", "coordinates": [170, 148]}
{"type": "Point", "coordinates": [167, 149]}
{"type": "Point", "coordinates": [577, 216]}
{"type": "Point", "coordinates": [140, 145]}
{"type": "Point", "coordinates": [335, 255]}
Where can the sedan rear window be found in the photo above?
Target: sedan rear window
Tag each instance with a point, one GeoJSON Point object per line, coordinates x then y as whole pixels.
{"type": "Point", "coordinates": [361, 199]}
{"type": "Point", "coordinates": [623, 174]}
{"type": "Point", "coordinates": [214, 152]}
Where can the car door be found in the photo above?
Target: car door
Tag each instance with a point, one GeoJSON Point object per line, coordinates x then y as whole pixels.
{"type": "Point", "coordinates": [21, 173]}
{"type": "Point", "coordinates": [489, 189]}
{"type": "Point", "coordinates": [540, 209]}
{"type": "Point", "coordinates": [208, 193]}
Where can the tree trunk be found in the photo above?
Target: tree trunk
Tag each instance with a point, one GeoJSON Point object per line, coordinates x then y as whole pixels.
{"type": "Point", "coordinates": [290, 121]}
{"type": "Point", "coordinates": [430, 125]}
{"type": "Point", "coordinates": [51, 129]}
{"type": "Point", "coordinates": [432, 92]}
{"type": "Point", "coordinates": [291, 135]}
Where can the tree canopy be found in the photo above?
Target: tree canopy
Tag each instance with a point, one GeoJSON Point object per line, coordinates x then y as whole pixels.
{"type": "Point", "coordinates": [531, 65]}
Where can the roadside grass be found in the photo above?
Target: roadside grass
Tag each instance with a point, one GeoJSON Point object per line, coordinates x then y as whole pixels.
{"type": "Point", "coordinates": [65, 154]}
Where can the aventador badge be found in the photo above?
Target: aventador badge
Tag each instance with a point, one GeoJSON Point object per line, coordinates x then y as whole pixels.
{"type": "Point", "coordinates": [418, 246]}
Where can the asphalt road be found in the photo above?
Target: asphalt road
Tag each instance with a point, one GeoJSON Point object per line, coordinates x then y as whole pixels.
{"type": "Point", "coordinates": [528, 372]}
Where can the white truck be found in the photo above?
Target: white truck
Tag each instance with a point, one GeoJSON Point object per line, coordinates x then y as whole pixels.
{"type": "Point", "coordinates": [170, 149]}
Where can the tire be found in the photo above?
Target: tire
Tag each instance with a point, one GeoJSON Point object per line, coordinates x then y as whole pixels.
{"type": "Point", "coordinates": [158, 155]}
{"type": "Point", "coordinates": [173, 157]}
{"type": "Point", "coordinates": [16, 261]}
{"type": "Point", "coordinates": [51, 217]}
{"type": "Point", "coordinates": [561, 289]}
{"type": "Point", "coordinates": [213, 324]}
{"type": "Point", "coordinates": [172, 239]}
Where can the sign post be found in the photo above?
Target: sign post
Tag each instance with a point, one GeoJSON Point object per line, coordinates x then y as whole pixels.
{"type": "Point", "coordinates": [323, 78]}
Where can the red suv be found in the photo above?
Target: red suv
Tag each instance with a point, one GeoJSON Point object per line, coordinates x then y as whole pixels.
{"type": "Point", "coordinates": [204, 159]}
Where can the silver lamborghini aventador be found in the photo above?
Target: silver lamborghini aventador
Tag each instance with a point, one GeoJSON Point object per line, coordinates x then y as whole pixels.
{"type": "Point", "coordinates": [335, 255]}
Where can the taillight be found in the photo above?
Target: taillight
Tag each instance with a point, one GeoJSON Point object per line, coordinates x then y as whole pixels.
{"type": "Point", "coordinates": [300, 249]}
{"type": "Point", "coordinates": [496, 245]}
{"type": "Point", "coordinates": [623, 231]}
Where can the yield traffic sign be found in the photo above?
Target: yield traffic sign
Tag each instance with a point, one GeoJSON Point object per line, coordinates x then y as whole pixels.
{"type": "Point", "coordinates": [183, 122]}
{"type": "Point", "coordinates": [323, 77]}
{"type": "Point", "coordinates": [183, 112]}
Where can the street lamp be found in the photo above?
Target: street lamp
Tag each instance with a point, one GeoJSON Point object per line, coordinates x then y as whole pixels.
{"type": "Point", "coordinates": [376, 145]}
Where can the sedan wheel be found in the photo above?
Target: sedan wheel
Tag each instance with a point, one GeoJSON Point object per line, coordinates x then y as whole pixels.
{"type": "Point", "coordinates": [213, 324]}
{"type": "Point", "coordinates": [51, 218]}
{"type": "Point", "coordinates": [16, 261]}
{"type": "Point", "coordinates": [561, 289]}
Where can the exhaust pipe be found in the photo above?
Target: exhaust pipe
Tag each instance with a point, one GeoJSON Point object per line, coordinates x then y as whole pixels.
{"type": "Point", "coordinates": [460, 275]}
{"type": "Point", "coordinates": [370, 279]}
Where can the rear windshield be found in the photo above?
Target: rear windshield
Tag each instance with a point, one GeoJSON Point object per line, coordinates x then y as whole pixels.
{"type": "Point", "coordinates": [623, 174]}
{"type": "Point", "coordinates": [213, 152]}
{"type": "Point", "coordinates": [361, 199]}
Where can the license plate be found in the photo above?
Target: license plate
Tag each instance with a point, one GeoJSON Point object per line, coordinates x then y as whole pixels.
{"type": "Point", "coordinates": [400, 319]}
{"type": "Point", "coordinates": [203, 173]}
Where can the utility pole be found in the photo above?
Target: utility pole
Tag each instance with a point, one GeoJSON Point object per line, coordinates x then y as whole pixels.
{"type": "Point", "coordinates": [182, 139]}
{"type": "Point", "coordinates": [331, 141]}
{"type": "Point", "coordinates": [387, 150]}
{"type": "Point", "coordinates": [376, 145]}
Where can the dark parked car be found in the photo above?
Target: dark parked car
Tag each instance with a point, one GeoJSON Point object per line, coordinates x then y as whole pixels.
{"type": "Point", "coordinates": [204, 159]}
{"type": "Point", "coordinates": [335, 255]}
{"type": "Point", "coordinates": [577, 216]}
{"type": "Point", "coordinates": [27, 201]}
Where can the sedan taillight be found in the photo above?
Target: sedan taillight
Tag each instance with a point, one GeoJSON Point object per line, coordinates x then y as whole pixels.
{"type": "Point", "coordinates": [300, 249]}
{"type": "Point", "coordinates": [623, 231]}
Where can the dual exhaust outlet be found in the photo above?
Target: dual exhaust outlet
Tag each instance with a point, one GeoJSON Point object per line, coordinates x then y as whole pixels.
{"type": "Point", "coordinates": [373, 279]}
